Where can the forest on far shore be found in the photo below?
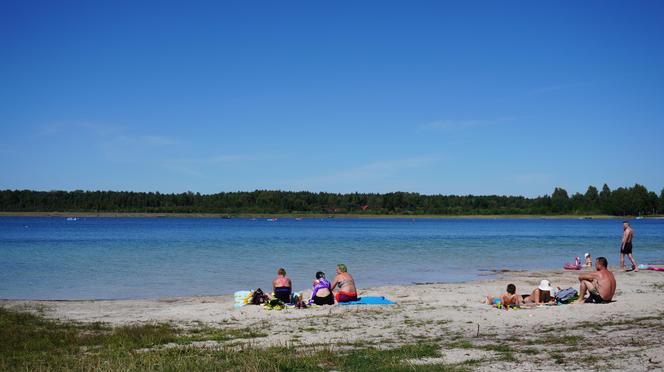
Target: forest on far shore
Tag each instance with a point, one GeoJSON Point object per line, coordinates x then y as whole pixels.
{"type": "Point", "coordinates": [623, 201]}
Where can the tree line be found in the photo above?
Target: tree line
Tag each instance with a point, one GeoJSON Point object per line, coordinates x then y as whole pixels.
{"type": "Point", "coordinates": [623, 201]}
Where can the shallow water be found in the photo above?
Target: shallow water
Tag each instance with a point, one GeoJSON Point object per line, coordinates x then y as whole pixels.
{"type": "Point", "coordinates": [118, 258]}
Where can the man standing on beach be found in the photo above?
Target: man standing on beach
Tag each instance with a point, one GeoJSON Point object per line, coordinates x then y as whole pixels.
{"type": "Point", "coordinates": [626, 247]}
{"type": "Point", "coordinates": [601, 285]}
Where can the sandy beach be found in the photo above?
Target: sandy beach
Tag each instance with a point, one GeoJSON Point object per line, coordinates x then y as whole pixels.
{"type": "Point", "coordinates": [623, 335]}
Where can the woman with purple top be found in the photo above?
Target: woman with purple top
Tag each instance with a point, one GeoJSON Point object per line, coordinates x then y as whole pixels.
{"type": "Point", "coordinates": [322, 291]}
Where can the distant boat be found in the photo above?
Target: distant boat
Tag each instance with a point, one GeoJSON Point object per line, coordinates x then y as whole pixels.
{"type": "Point", "coordinates": [271, 220]}
{"type": "Point", "coordinates": [72, 218]}
{"type": "Point", "coordinates": [298, 219]}
{"type": "Point", "coordinates": [639, 218]}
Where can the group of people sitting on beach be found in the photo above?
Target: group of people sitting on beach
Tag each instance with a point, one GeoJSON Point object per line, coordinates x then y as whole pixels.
{"type": "Point", "coordinates": [600, 286]}
{"type": "Point", "coordinates": [342, 288]}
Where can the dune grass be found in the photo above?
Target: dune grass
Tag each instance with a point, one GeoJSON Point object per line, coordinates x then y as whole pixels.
{"type": "Point", "coordinates": [31, 342]}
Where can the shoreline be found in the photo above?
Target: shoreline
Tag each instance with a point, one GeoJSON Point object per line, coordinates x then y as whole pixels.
{"type": "Point", "coordinates": [314, 215]}
{"type": "Point", "coordinates": [452, 315]}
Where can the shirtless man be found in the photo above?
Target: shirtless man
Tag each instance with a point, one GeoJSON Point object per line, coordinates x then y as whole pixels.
{"type": "Point", "coordinates": [600, 284]}
{"type": "Point", "coordinates": [626, 247]}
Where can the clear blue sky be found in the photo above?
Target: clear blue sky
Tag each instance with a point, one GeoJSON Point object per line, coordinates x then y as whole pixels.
{"type": "Point", "coordinates": [494, 97]}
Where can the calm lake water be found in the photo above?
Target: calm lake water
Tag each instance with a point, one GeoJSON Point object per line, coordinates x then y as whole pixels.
{"type": "Point", "coordinates": [118, 258]}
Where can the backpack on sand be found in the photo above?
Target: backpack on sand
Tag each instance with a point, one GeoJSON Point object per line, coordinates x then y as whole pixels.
{"type": "Point", "coordinates": [565, 296]}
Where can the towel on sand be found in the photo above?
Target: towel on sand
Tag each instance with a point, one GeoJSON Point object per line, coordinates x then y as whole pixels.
{"type": "Point", "coordinates": [370, 300]}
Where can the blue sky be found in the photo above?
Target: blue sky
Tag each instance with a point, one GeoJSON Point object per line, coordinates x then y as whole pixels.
{"type": "Point", "coordinates": [494, 97]}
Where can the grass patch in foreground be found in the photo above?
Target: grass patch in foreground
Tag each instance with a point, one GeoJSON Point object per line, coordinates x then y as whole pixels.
{"type": "Point", "coordinates": [31, 342]}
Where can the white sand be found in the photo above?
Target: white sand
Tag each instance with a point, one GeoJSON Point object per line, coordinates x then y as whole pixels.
{"type": "Point", "coordinates": [444, 313]}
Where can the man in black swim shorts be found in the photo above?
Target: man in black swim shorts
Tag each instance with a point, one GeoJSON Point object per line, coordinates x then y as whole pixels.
{"type": "Point", "coordinates": [626, 247]}
{"type": "Point", "coordinates": [600, 285]}
{"type": "Point", "coordinates": [595, 298]}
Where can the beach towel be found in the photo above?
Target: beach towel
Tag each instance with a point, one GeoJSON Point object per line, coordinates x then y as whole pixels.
{"type": "Point", "coordinates": [370, 300]}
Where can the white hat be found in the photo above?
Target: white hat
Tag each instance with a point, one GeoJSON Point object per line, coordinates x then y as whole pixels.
{"type": "Point", "coordinates": [545, 285]}
{"type": "Point", "coordinates": [586, 254]}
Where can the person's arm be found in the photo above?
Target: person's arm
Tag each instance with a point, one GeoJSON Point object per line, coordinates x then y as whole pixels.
{"type": "Point", "coordinates": [290, 284]}
{"type": "Point", "coordinates": [274, 285]}
{"type": "Point", "coordinates": [589, 277]}
{"type": "Point", "coordinates": [334, 283]}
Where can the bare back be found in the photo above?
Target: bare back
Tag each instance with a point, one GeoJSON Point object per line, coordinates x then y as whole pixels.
{"type": "Point", "coordinates": [605, 283]}
{"type": "Point", "coordinates": [281, 281]}
{"type": "Point", "coordinates": [345, 282]}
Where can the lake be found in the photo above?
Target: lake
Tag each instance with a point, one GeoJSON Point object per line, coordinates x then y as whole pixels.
{"type": "Point", "coordinates": [120, 258]}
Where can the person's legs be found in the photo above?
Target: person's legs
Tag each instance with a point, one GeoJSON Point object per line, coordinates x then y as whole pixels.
{"type": "Point", "coordinates": [622, 261]}
{"type": "Point", "coordinates": [584, 286]}
{"type": "Point", "coordinates": [634, 265]}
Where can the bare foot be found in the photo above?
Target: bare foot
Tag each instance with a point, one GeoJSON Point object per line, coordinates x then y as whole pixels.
{"type": "Point", "coordinates": [579, 301]}
{"type": "Point", "coordinates": [636, 269]}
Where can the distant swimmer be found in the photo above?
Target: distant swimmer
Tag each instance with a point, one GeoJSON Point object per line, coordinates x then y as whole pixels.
{"type": "Point", "coordinates": [626, 247]}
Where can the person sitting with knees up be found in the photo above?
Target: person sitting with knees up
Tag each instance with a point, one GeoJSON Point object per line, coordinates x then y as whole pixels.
{"type": "Point", "coordinates": [600, 285]}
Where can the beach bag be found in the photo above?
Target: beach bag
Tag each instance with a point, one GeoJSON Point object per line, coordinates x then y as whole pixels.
{"type": "Point", "coordinates": [259, 297]}
{"type": "Point", "coordinates": [565, 296]}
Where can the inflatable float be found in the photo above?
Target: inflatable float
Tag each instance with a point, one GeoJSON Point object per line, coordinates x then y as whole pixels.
{"type": "Point", "coordinates": [573, 266]}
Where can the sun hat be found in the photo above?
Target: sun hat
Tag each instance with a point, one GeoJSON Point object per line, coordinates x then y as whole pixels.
{"type": "Point", "coordinates": [586, 254]}
{"type": "Point", "coordinates": [545, 285]}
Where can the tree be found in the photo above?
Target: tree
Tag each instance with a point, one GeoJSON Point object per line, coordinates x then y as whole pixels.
{"type": "Point", "coordinates": [559, 200]}
{"type": "Point", "coordinates": [591, 199]}
{"type": "Point", "coordinates": [605, 200]}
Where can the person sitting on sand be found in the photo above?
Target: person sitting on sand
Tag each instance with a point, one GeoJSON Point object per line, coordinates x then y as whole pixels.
{"type": "Point", "coordinates": [543, 294]}
{"type": "Point", "coordinates": [347, 291]}
{"type": "Point", "coordinates": [322, 291]}
{"type": "Point", "coordinates": [282, 286]}
{"type": "Point", "coordinates": [600, 284]}
{"type": "Point", "coordinates": [510, 298]}
{"type": "Point", "coordinates": [589, 260]}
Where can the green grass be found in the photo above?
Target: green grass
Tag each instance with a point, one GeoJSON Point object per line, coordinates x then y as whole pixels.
{"type": "Point", "coordinates": [32, 342]}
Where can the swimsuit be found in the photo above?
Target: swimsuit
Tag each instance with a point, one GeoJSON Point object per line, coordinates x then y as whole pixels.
{"type": "Point", "coordinates": [327, 300]}
{"type": "Point", "coordinates": [283, 293]}
{"type": "Point", "coordinates": [346, 296]}
{"type": "Point", "coordinates": [627, 248]}
{"type": "Point", "coordinates": [322, 284]}
{"type": "Point", "coordinates": [595, 298]}
{"type": "Point", "coordinates": [342, 283]}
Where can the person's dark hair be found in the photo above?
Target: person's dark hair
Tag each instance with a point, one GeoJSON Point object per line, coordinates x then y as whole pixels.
{"type": "Point", "coordinates": [545, 296]}
{"type": "Point", "coordinates": [320, 274]}
{"type": "Point", "coordinates": [603, 261]}
{"type": "Point", "coordinates": [511, 288]}
{"type": "Point", "coordinates": [281, 271]}
{"type": "Point", "coordinates": [625, 221]}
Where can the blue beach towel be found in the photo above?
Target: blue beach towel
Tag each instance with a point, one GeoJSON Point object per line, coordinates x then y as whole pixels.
{"type": "Point", "coordinates": [370, 300]}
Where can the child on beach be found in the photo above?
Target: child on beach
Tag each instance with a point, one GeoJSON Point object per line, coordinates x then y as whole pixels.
{"type": "Point", "coordinates": [506, 299]}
